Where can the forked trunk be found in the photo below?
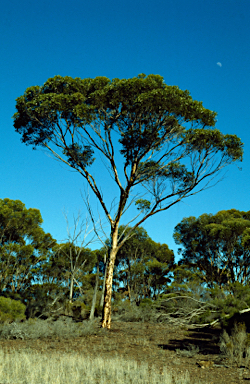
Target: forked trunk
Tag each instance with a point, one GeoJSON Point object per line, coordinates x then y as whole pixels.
{"type": "Point", "coordinates": [106, 313]}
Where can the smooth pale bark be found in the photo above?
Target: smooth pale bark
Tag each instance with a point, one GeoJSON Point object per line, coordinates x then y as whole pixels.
{"type": "Point", "coordinates": [106, 321]}
{"type": "Point", "coordinates": [92, 312]}
{"type": "Point", "coordinates": [106, 314]}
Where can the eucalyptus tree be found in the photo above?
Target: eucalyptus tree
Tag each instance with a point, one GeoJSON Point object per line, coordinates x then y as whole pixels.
{"type": "Point", "coordinates": [159, 268]}
{"type": "Point", "coordinates": [167, 145]}
{"type": "Point", "coordinates": [71, 261]}
{"type": "Point", "coordinates": [24, 246]}
{"type": "Point", "coordinates": [216, 245]}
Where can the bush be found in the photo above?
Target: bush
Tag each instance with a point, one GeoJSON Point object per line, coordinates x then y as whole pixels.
{"type": "Point", "coordinates": [78, 310]}
{"type": "Point", "coordinates": [229, 301]}
{"type": "Point", "coordinates": [146, 303]}
{"type": "Point", "coordinates": [236, 347]}
{"type": "Point", "coordinates": [36, 328]}
{"type": "Point", "coordinates": [130, 312]}
{"type": "Point", "coordinates": [11, 310]}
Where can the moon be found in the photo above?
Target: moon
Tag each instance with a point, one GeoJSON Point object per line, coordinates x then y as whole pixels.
{"type": "Point", "coordinates": [219, 64]}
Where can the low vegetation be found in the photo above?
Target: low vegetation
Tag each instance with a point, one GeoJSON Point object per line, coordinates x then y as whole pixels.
{"type": "Point", "coordinates": [72, 368]}
{"type": "Point", "coordinates": [138, 349]}
{"type": "Point", "coordinates": [236, 348]}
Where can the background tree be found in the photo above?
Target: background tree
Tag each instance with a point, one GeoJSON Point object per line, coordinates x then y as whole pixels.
{"type": "Point", "coordinates": [168, 142]}
{"type": "Point", "coordinates": [144, 266]}
{"type": "Point", "coordinates": [130, 261]}
{"type": "Point", "coordinates": [217, 246]}
{"type": "Point", "coordinates": [101, 269]}
{"type": "Point", "coordinates": [71, 261]}
{"type": "Point", "coordinates": [24, 246]}
{"type": "Point", "coordinates": [187, 279]}
{"type": "Point", "coordinates": [159, 268]}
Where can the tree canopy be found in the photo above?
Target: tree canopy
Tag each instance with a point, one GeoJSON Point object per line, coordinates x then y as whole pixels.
{"type": "Point", "coordinates": [79, 117]}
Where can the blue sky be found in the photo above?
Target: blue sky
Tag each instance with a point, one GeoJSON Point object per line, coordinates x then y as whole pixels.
{"type": "Point", "coordinates": [183, 41]}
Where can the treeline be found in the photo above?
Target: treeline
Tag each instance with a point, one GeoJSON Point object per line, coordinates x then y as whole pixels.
{"type": "Point", "coordinates": [213, 270]}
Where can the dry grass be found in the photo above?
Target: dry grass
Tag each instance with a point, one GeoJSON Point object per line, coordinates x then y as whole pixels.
{"type": "Point", "coordinates": [29, 367]}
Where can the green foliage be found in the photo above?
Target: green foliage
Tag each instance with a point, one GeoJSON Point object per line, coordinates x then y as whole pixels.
{"type": "Point", "coordinates": [80, 101]}
{"type": "Point", "coordinates": [147, 114]}
{"type": "Point", "coordinates": [144, 266]}
{"type": "Point", "coordinates": [65, 254]}
{"type": "Point", "coordinates": [146, 303]}
{"type": "Point", "coordinates": [231, 300]}
{"type": "Point", "coordinates": [11, 310]}
{"type": "Point", "coordinates": [199, 140]}
{"type": "Point", "coordinates": [79, 155]}
{"type": "Point", "coordinates": [128, 312]}
{"type": "Point", "coordinates": [45, 297]}
{"type": "Point", "coordinates": [143, 205]}
{"type": "Point", "coordinates": [217, 245]}
{"type": "Point", "coordinates": [188, 281]}
{"type": "Point", "coordinates": [24, 246]}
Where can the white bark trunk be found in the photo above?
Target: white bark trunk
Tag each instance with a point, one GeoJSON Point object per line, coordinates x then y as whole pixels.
{"type": "Point", "coordinates": [106, 315]}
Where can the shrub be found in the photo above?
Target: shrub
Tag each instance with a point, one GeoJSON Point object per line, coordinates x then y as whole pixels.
{"type": "Point", "coordinates": [11, 310]}
{"type": "Point", "coordinates": [236, 346]}
{"type": "Point", "coordinates": [78, 310]}
{"type": "Point", "coordinates": [36, 328]}
{"type": "Point", "coordinates": [146, 303]}
{"type": "Point", "coordinates": [130, 312]}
